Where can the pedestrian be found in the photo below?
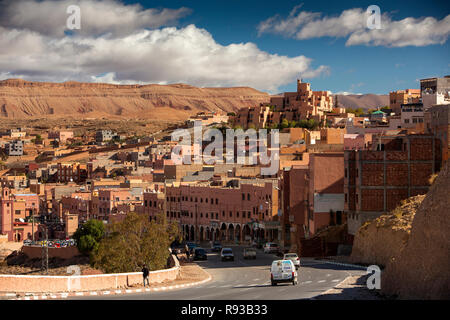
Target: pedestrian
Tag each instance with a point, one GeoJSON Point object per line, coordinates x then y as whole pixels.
{"type": "Point", "coordinates": [145, 273]}
{"type": "Point", "coordinates": [186, 248]}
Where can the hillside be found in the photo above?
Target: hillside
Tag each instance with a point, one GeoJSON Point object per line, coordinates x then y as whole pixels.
{"type": "Point", "coordinates": [364, 101]}
{"type": "Point", "coordinates": [21, 99]}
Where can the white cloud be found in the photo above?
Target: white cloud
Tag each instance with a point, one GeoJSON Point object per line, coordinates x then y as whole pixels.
{"type": "Point", "coordinates": [49, 17]}
{"type": "Point", "coordinates": [352, 23]}
{"type": "Point", "coordinates": [165, 55]}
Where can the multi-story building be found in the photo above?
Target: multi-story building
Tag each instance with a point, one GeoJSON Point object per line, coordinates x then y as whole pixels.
{"type": "Point", "coordinates": [411, 114]}
{"type": "Point", "coordinates": [68, 172]}
{"type": "Point", "coordinates": [16, 210]}
{"type": "Point", "coordinates": [62, 136]}
{"type": "Point", "coordinates": [438, 123]}
{"type": "Point", "coordinates": [237, 211]}
{"type": "Point", "coordinates": [313, 196]}
{"type": "Point", "coordinates": [292, 106]}
{"type": "Point", "coordinates": [14, 148]}
{"type": "Point", "coordinates": [392, 169]}
{"type": "Point", "coordinates": [104, 135]}
{"type": "Point", "coordinates": [115, 200]}
{"type": "Point", "coordinates": [435, 91]}
{"type": "Point", "coordinates": [397, 98]}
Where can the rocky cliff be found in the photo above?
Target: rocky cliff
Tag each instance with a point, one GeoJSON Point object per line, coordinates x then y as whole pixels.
{"type": "Point", "coordinates": [24, 99]}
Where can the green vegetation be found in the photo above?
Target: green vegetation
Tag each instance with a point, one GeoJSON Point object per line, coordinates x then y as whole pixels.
{"type": "Point", "coordinates": [357, 112]}
{"type": "Point", "coordinates": [88, 237]}
{"type": "Point", "coordinates": [134, 241]}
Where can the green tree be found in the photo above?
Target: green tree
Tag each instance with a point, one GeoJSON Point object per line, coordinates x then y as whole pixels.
{"type": "Point", "coordinates": [88, 236]}
{"type": "Point", "coordinates": [134, 241]}
{"type": "Point", "coordinates": [284, 124]}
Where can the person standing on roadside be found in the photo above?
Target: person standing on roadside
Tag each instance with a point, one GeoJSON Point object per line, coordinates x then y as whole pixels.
{"type": "Point", "coordinates": [186, 248]}
{"type": "Point", "coordinates": [145, 273]}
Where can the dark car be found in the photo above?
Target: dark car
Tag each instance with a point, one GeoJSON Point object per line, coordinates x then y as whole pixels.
{"type": "Point", "coordinates": [216, 246]}
{"type": "Point", "coordinates": [191, 246]}
{"type": "Point", "coordinates": [200, 254]}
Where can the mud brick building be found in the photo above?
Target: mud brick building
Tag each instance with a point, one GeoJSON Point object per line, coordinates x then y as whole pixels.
{"type": "Point", "coordinates": [394, 168]}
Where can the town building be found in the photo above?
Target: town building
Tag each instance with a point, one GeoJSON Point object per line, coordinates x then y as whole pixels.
{"type": "Point", "coordinates": [393, 168]}
{"type": "Point", "coordinates": [397, 98]}
{"type": "Point", "coordinates": [291, 106]}
{"type": "Point", "coordinates": [237, 211]}
{"type": "Point", "coordinates": [14, 148]}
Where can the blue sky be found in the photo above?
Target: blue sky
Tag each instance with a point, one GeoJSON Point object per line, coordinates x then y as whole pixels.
{"type": "Point", "coordinates": [228, 43]}
{"type": "Point", "coordinates": [359, 69]}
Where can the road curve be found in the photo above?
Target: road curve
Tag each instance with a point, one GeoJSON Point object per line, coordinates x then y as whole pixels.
{"type": "Point", "coordinates": [249, 280]}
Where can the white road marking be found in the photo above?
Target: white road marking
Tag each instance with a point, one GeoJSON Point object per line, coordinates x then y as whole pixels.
{"type": "Point", "coordinates": [306, 282]}
{"type": "Point", "coordinates": [118, 291]}
{"type": "Point", "coordinates": [336, 280]}
{"type": "Point", "coordinates": [93, 293]}
{"type": "Point", "coordinates": [321, 281]}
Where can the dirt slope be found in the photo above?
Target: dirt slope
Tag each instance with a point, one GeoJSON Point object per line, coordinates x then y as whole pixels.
{"type": "Point", "coordinates": [24, 99]}
{"type": "Point", "coordinates": [422, 269]}
{"type": "Point", "coordinates": [381, 239]}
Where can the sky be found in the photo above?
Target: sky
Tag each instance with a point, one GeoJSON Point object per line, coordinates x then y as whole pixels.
{"type": "Point", "coordinates": [266, 45]}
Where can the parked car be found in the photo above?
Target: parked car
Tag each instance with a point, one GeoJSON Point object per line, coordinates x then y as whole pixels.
{"type": "Point", "coordinates": [191, 246]}
{"type": "Point", "coordinates": [249, 253]}
{"type": "Point", "coordinates": [283, 271]}
{"type": "Point", "coordinates": [216, 246]}
{"type": "Point", "coordinates": [271, 247]}
{"type": "Point", "coordinates": [227, 254]}
{"type": "Point", "coordinates": [294, 258]}
{"type": "Point", "coordinates": [200, 254]}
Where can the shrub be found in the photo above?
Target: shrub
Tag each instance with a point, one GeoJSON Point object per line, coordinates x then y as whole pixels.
{"type": "Point", "coordinates": [136, 241]}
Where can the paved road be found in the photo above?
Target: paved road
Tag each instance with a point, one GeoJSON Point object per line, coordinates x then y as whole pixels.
{"type": "Point", "coordinates": [249, 280]}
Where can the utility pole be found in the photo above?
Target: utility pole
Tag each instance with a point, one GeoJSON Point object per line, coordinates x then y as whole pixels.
{"type": "Point", "coordinates": [44, 256]}
{"type": "Point", "coordinates": [32, 223]}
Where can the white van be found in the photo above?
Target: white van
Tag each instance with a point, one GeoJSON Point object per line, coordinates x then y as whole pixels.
{"type": "Point", "coordinates": [283, 271]}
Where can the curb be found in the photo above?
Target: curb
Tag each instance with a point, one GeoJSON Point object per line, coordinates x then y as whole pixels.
{"type": "Point", "coordinates": [64, 295]}
{"type": "Point", "coordinates": [343, 264]}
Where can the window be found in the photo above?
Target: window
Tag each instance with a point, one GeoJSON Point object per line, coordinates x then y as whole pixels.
{"type": "Point", "coordinates": [206, 215]}
{"type": "Point", "coordinates": [223, 213]}
{"type": "Point", "coordinates": [206, 200]}
{"type": "Point", "coordinates": [243, 196]}
{"type": "Point", "coordinates": [248, 215]}
{"type": "Point", "coordinates": [231, 214]}
{"type": "Point", "coordinates": [217, 201]}
{"type": "Point", "coordinates": [248, 197]}
{"type": "Point", "coordinates": [201, 200]}
{"type": "Point", "coordinates": [237, 214]}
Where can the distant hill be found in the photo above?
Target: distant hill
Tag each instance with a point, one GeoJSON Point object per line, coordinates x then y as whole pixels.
{"type": "Point", "coordinates": [364, 101]}
{"type": "Point", "coordinates": [20, 99]}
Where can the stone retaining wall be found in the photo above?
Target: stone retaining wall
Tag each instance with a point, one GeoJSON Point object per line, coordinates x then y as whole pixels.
{"type": "Point", "coordinates": [32, 284]}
